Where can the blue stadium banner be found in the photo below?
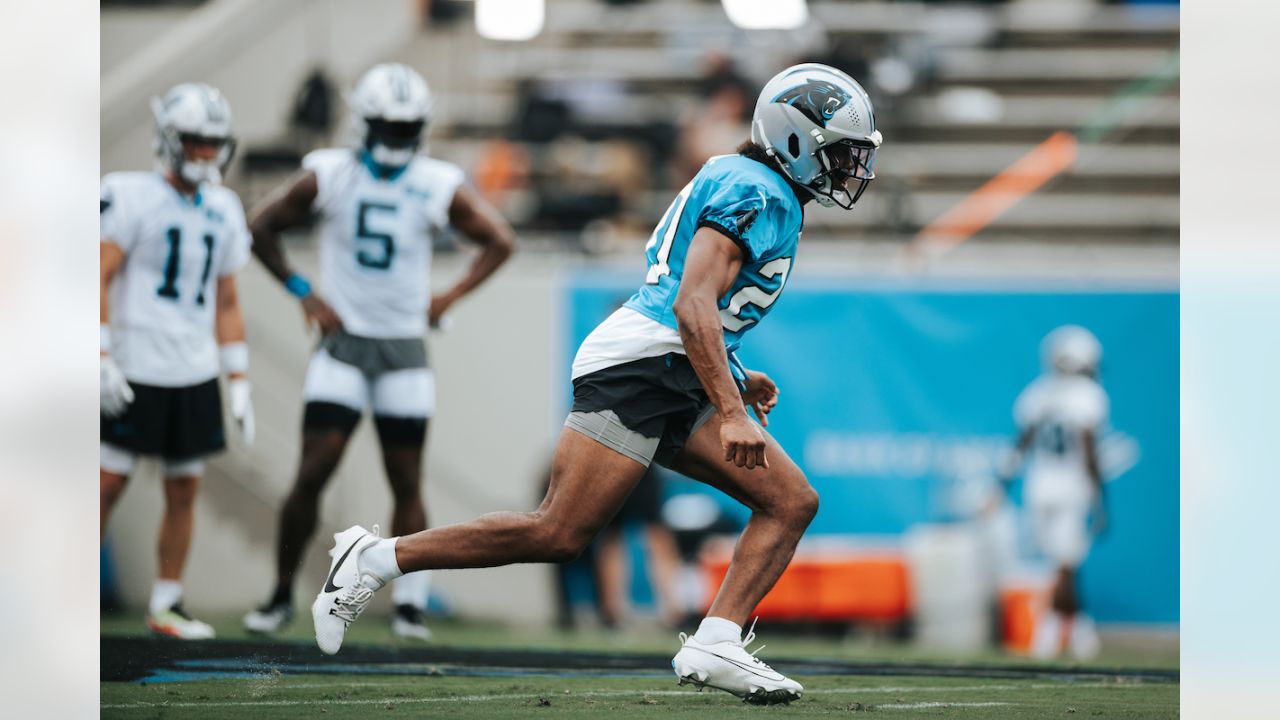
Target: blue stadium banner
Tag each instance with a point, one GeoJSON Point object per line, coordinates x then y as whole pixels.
{"type": "Point", "coordinates": [895, 393]}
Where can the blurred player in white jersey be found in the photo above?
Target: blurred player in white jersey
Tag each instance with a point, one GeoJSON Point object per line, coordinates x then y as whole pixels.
{"type": "Point", "coordinates": [379, 204]}
{"type": "Point", "coordinates": [1060, 415]}
{"type": "Point", "coordinates": [171, 242]}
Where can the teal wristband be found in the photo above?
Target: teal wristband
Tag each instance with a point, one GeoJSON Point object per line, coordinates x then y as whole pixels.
{"type": "Point", "coordinates": [297, 286]}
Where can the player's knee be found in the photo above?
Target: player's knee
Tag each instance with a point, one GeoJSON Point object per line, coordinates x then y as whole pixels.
{"type": "Point", "coordinates": [406, 484]}
{"type": "Point", "coordinates": [112, 487]}
{"type": "Point", "coordinates": [406, 492]}
{"type": "Point", "coordinates": [304, 494]}
{"type": "Point", "coordinates": [558, 543]}
{"type": "Point", "coordinates": [809, 503]}
{"type": "Point", "coordinates": [565, 548]}
{"type": "Point", "coordinates": [180, 492]}
{"type": "Point", "coordinates": [801, 506]}
{"type": "Point", "coordinates": [315, 471]}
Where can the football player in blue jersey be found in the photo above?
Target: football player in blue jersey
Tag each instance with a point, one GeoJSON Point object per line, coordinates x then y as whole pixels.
{"type": "Point", "coordinates": [660, 380]}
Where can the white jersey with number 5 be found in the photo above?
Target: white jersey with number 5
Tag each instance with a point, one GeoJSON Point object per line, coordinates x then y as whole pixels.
{"type": "Point", "coordinates": [165, 295]}
{"type": "Point", "coordinates": [375, 239]}
{"type": "Point", "coordinates": [1059, 409]}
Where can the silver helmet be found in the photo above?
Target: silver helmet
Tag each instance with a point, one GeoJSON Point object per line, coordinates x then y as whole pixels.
{"type": "Point", "coordinates": [1071, 350]}
{"type": "Point", "coordinates": [819, 124]}
{"type": "Point", "coordinates": [390, 110]}
{"type": "Point", "coordinates": [193, 113]}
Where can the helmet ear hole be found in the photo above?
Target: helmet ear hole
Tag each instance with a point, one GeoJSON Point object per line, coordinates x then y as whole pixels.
{"type": "Point", "coordinates": [793, 146]}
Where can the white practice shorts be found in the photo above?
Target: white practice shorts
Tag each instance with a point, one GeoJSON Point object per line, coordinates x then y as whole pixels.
{"type": "Point", "coordinates": [119, 461]}
{"type": "Point", "coordinates": [1062, 531]}
{"type": "Point", "coordinates": [405, 393]}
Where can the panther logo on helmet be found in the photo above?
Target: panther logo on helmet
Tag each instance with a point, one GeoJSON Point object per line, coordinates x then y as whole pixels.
{"type": "Point", "coordinates": [817, 99]}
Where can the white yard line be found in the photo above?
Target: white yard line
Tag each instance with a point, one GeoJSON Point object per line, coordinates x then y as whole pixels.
{"type": "Point", "coordinates": [967, 688]}
{"type": "Point", "coordinates": [610, 694]}
{"type": "Point", "coordinates": [928, 705]}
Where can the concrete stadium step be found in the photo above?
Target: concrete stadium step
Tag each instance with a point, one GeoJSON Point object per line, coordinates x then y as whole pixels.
{"type": "Point", "coordinates": [985, 159]}
{"type": "Point", "coordinates": [1049, 64]}
{"type": "Point", "coordinates": [584, 16]}
{"type": "Point", "coordinates": [1064, 184]}
{"type": "Point", "coordinates": [1142, 213]}
{"type": "Point", "coordinates": [978, 135]}
{"type": "Point", "coordinates": [1040, 111]}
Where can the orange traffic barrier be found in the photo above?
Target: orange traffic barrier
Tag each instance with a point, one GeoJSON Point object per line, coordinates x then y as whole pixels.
{"type": "Point", "coordinates": [853, 586]}
{"type": "Point", "coordinates": [1020, 608]}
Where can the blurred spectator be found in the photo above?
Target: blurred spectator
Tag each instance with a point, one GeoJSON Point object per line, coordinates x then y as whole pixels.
{"type": "Point", "coordinates": [540, 117]}
{"type": "Point", "coordinates": [442, 13]}
{"type": "Point", "coordinates": [312, 116]}
{"type": "Point", "coordinates": [718, 124]}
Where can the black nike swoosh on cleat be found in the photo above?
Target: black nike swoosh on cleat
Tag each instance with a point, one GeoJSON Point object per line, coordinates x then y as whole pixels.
{"type": "Point", "coordinates": [776, 677]}
{"type": "Point", "coordinates": [328, 583]}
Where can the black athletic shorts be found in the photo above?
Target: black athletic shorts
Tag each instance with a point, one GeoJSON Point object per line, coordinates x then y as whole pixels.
{"type": "Point", "coordinates": [657, 401]}
{"type": "Point", "coordinates": [176, 423]}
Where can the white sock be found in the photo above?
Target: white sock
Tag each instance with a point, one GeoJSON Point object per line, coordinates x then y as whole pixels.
{"type": "Point", "coordinates": [1084, 637]}
{"type": "Point", "coordinates": [718, 630]}
{"type": "Point", "coordinates": [1047, 640]}
{"type": "Point", "coordinates": [380, 559]}
{"type": "Point", "coordinates": [412, 589]}
{"type": "Point", "coordinates": [164, 595]}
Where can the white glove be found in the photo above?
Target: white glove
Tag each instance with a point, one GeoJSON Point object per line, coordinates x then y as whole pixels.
{"type": "Point", "coordinates": [114, 391]}
{"type": "Point", "coordinates": [241, 407]}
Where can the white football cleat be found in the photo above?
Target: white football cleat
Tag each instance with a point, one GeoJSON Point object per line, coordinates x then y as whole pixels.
{"type": "Point", "coordinates": [1046, 640]}
{"type": "Point", "coordinates": [407, 623]}
{"type": "Point", "coordinates": [1084, 642]}
{"type": "Point", "coordinates": [268, 619]}
{"type": "Point", "coordinates": [347, 591]}
{"type": "Point", "coordinates": [728, 666]}
{"type": "Point", "coordinates": [176, 623]}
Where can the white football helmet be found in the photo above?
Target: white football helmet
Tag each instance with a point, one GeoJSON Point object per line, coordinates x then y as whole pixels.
{"type": "Point", "coordinates": [1071, 350]}
{"type": "Point", "coordinates": [192, 112]}
{"type": "Point", "coordinates": [390, 110]}
{"type": "Point", "coordinates": [818, 123]}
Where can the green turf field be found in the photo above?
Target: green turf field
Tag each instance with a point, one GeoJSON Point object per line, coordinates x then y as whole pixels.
{"type": "Point", "coordinates": [1123, 650]}
{"type": "Point", "coordinates": [274, 696]}
{"type": "Point", "coordinates": [460, 691]}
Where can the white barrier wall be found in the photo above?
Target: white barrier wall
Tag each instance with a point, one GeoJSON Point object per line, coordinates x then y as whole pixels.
{"type": "Point", "coordinates": [498, 408]}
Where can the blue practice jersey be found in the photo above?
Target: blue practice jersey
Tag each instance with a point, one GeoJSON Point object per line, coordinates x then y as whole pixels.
{"type": "Point", "coordinates": [752, 204]}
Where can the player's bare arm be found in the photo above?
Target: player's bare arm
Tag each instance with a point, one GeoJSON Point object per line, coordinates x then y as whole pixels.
{"type": "Point", "coordinates": [286, 208]}
{"type": "Point", "coordinates": [761, 395]}
{"type": "Point", "coordinates": [710, 268]}
{"type": "Point", "coordinates": [1012, 463]}
{"type": "Point", "coordinates": [229, 329]}
{"type": "Point", "coordinates": [1089, 444]}
{"type": "Point", "coordinates": [115, 393]}
{"type": "Point", "coordinates": [229, 322]}
{"type": "Point", "coordinates": [110, 260]}
{"type": "Point", "coordinates": [481, 223]}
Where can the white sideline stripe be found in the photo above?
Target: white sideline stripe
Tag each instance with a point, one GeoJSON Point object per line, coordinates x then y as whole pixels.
{"type": "Point", "coordinates": [971, 688]}
{"type": "Point", "coordinates": [608, 694]}
{"type": "Point", "coordinates": [927, 705]}
{"type": "Point", "coordinates": [819, 691]}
